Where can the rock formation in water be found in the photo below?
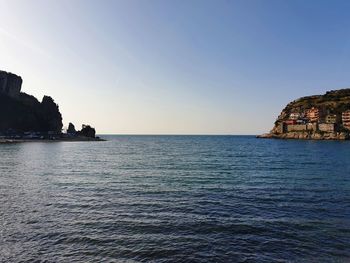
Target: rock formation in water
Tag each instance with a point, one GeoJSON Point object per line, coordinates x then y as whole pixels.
{"type": "Point", "coordinates": [87, 131]}
{"type": "Point", "coordinates": [321, 117]}
{"type": "Point", "coordinates": [71, 129]}
{"type": "Point", "coordinates": [21, 112]}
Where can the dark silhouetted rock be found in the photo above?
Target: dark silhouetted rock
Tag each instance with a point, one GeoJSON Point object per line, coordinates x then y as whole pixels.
{"type": "Point", "coordinates": [87, 131]}
{"type": "Point", "coordinates": [71, 128]}
{"type": "Point", "coordinates": [23, 115]}
{"type": "Point", "coordinates": [52, 118]}
{"type": "Point", "coordinates": [10, 84]}
{"type": "Point", "coordinates": [22, 112]}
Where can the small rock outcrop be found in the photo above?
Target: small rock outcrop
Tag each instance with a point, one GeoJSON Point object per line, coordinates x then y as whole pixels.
{"type": "Point", "coordinates": [319, 117]}
{"type": "Point", "coordinates": [87, 131]}
{"type": "Point", "coordinates": [71, 129]}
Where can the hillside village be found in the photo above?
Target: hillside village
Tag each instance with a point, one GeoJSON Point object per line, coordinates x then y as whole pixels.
{"type": "Point", "coordinates": [315, 117]}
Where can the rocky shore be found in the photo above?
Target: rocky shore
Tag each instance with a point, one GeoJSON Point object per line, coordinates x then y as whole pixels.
{"type": "Point", "coordinates": [306, 136]}
{"type": "Point", "coordinates": [72, 139]}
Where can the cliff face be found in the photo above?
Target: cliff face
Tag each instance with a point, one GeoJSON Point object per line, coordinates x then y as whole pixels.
{"type": "Point", "coordinates": [315, 117]}
{"type": "Point", "coordinates": [10, 84]}
{"type": "Point", "coordinates": [22, 112]}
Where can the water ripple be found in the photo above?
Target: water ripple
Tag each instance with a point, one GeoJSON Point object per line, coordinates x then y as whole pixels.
{"type": "Point", "coordinates": [175, 199]}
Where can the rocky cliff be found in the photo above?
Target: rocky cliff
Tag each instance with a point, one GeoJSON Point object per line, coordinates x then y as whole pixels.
{"type": "Point", "coordinates": [21, 112]}
{"type": "Point", "coordinates": [10, 84]}
{"type": "Point", "coordinates": [315, 117]}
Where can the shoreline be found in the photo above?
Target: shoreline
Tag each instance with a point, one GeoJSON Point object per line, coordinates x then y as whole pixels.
{"type": "Point", "coordinates": [75, 139]}
{"type": "Point", "coordinates": [306, 136]}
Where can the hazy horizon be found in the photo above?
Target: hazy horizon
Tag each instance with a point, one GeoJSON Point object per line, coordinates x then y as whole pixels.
{"type": "Point", "coordinates": [176, 67]}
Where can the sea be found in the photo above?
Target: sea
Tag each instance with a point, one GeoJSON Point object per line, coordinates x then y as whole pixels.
{"type": "Point", "coordinates": [175, 199]}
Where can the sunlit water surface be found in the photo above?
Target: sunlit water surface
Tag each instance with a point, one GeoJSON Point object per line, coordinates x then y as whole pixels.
{"type": "Point", "coordinates": [175, 199]}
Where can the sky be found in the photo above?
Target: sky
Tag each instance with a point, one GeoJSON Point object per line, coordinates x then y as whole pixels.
{"type": "Point", "coordinates": [176, 67]}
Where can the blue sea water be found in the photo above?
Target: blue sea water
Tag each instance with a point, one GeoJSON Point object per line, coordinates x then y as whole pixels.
{"type": "Point", "coordinates": [175, 199]}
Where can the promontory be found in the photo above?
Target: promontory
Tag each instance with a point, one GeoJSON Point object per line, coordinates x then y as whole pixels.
{"type": "Point", "coordinates": [318, 117]}
{"type": "Point", "coordinates": [24, 118]}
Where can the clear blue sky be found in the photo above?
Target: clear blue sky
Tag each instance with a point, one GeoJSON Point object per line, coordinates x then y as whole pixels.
{"type": "Point", "coordinates": [183, 67]}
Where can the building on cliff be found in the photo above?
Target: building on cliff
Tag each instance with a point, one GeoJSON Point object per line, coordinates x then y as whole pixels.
{"type": "Point", "coordinates": [290, 122]}
{"type": "Point", "coordinates": [10, 84]}
{"type": "Point", "coordinates": [294, 116]}
{"type": "Point", "coordinates": [346, 119]}
{"type": "Point", "coordinates": [315, 114]}
{"type": "Point", "coordinates": [331, 119]}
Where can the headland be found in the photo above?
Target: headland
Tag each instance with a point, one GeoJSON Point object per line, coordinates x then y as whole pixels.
{"type": "Point", "coordinates": [23, 118]}
{"type": "Point", "coordinates": [318, 117]}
